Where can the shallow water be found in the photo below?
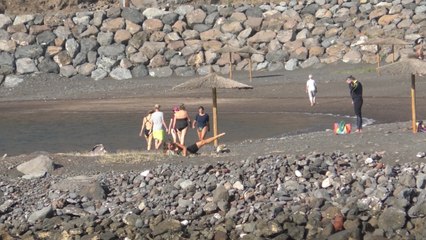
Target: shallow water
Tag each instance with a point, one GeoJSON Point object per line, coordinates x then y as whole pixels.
{"type": "Point", "coordinates": [78, 131]}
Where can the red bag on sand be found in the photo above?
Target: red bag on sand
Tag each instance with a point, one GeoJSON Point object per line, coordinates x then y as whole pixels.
{"type": "Point", "coordinates": [342, 128]}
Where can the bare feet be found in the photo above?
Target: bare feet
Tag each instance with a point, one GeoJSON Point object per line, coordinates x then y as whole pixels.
{"type": "Point", "coordinates": [358, 131]}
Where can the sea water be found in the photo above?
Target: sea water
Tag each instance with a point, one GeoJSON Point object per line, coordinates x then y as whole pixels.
{"type": "Point", "coordinates": [27, 132]}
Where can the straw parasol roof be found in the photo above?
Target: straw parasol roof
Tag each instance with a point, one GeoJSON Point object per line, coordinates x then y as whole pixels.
{"type": "Point", "coordinates": [385, 41]}
{"type": "Point", "coordinates": [407, 66]}
{"type": "Point", "coordinates": [212, 80]}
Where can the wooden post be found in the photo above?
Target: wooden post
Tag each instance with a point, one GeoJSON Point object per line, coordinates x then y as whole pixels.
{"type": "Point", "coordinates": [393, 53]}
{"type": "Point", "coordinates": [250, 75]}
{"type": "Point", "coordinates": [125, 3]}
{"type": "Point", "coordinates": [215, 131]}
{"type": "Point", "coordinates": [413, 102]}
{"type": "Point", "coordinates": [230, 65]}
{"type": "Point", "coordinates": [378, 64]}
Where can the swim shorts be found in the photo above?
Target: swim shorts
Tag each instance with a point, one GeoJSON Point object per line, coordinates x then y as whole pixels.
{"type": "Point", "coordinates": [159, 134]}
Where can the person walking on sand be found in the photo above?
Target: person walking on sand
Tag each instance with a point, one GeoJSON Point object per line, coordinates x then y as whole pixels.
{"type": "Point", "coordinates": [157, 121]}
{"type": "Point", "coordinates": [203, 123]}
{"type": "Point", "coordinates": [311, 90]}
{"type": "Point", "coordinates": [172, 130]}
{"type": "Point", "coordinates": [180, 149]}
{"type": "Point", "coordinates": [355, 88]}
{"type": "Point", "coordinates": [419, 48]}
{"type": "Point", "coordinates": [146, 129]}
{"type": "Point", "coordinates": [181, 123]}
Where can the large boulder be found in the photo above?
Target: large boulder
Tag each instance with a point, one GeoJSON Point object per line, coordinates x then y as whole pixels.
{"type": "Point", "coordinates": [98, 74]}
{"type": "Point", "coordinates": [12, 81]}
{"type": "Point", "coordinates": [31, 51]}
{"type": "Point", "coordinates": [262, 37]}
{"type": "Point", "coordinates": [161, 72]}
{"type": "Point", "coordinates": [84, 186]}
{"type": "Point", "coordinates": [132, 15]}
{"type": "Point", "coordinates": [113, 25]}
{"type": "Point", "coordinates": [112, 51]}
{"type": "Point", "coordinates": [45, 38]}
{"type": "Point", "coordinates": [120, 73]}
{"type": "Point", "coordinates": [47, 65]}
{"type": "Point", "coordinates": [25, 65]}
{"type": "Point", "coordinates": [196, 16]}
{"type": "Point", "coordinates": [36, 167]}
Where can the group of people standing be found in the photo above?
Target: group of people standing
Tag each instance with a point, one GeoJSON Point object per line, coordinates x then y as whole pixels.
{"type": "Point", "coordinates": [154, 126]}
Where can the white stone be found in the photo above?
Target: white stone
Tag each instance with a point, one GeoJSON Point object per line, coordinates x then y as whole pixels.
{"type": "Point", "coordinates": [12, 81]}
{"type": "Point", "coordinates": [238, 185]}
{"type": "Point", "coordinates": [326, 183]}
{"type": "Point", "coordinates": [298, 173]}
{"type": "Point", "coordinates": [120, 73]}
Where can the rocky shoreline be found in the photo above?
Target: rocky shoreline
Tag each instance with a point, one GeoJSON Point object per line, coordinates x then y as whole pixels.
{"type": "Point", "coordinates": [334, 195]}
{"type": "Point", "coordinates": [136, 42]}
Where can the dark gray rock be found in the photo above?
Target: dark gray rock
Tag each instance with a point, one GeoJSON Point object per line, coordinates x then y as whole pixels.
{"type": "Point", "coordinates": [132, 15]}
{"type": "Point", "coordinates": [88, 44]}
{"type": "Point", "coordinates": [140, 71]}
{"type": "Point", "coordinates": [30, 51]}
{"type": "Point", "coordinates": [45, 38]}
{"type": "Point", "coordinates": [277, 56]}
{"type": "Point", "coordinates": [6, 59]}
{"type": "Point", "coordinates": [79, 59]}
{"type": "Point", "coordinates": [105, 38]}
{"type": "Point", "coordinates": [184, 72]}
{"type": "Point", "coordinates": [112, 51]}
{"type": "Point", "coordinates": [170, 18]}
{"type": "Point", "coordinates": [392, 219]}
{"type": "Point", "coordinates": [254, 12]}
{"type": "Point", "coordinates": [47, 65]}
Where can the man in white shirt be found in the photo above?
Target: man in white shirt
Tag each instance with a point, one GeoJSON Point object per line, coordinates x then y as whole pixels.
{"type": "Point", "coordinates": [157, 120]}
{"type": "Point", "coordinates": [311, 90]}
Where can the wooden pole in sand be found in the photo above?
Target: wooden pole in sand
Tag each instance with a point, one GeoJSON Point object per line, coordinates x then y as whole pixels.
{"type": "Point", "coordinates": [378, 64]}
{"type": "Point", "coordinates": [230, 65]}
{"type": "Point", "coordinates": [413, 102]}
{"type": "Point", "coordinates": [393, 53]}
{"type": "Point", "coordinates": [250, 74]}
{"type": "Point", "coordinates": [215, 115]}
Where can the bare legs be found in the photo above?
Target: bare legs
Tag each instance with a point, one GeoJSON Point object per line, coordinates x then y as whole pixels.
{"type": "Point", "coordinates": [148, 141]}
{"type": "Point", "coordinates": [181, 135]}
{"type": "Point", "coordinates": [208, 140]}
{"type": "Point", "coordinates": [202, 133]}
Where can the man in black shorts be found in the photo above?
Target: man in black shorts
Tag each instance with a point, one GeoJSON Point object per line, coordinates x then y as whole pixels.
{"type": "Point", "coordinates": [355, 88]}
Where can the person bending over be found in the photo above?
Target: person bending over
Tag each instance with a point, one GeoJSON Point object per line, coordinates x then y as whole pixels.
{"type": "Point", "coordinates": [179, 149]}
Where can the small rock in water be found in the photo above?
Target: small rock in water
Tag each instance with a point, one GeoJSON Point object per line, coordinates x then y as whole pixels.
{"type": "Point", "coordinates": [421, 154]}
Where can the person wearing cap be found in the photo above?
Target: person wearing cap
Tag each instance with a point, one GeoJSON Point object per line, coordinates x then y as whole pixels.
{"type": "Point", "coordinates": [355, 88]}
{"type": "Point", "coordinates": [172, 130]}
{"type": "Point", "coordinates": [311, 90]}
{"type": "Point", "coordinates": [157, 121]}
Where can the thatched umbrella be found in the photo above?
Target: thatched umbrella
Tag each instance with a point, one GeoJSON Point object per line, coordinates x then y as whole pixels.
{"type": "Point", "coordinates": [413, 67]}
{"type": "Point", "coordinates": [228, 49]}
{"type": "Point", "coordinates": [249, 50]}
{"type": "Point", "coordinates": [212, 81]}
{"type": "Point", "coordinates": [385, 41]}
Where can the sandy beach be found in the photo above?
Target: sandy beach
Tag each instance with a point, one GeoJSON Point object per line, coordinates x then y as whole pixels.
{"type": "Point", "coordinates": [275, 108]}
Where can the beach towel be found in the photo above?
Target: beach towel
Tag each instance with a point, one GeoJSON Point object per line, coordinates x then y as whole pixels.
{"type": "Point", "coordinates": [342, 128]}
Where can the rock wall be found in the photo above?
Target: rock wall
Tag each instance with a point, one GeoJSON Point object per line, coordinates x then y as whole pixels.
{"type": "Point", "coordinates": [131, 42]}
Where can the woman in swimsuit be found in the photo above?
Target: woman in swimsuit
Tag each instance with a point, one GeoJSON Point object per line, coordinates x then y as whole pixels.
{"type": "Point", "coordinates": [172, 131]}
{"type": "Point", "coordinates": [181, 123]}
{"type": "Point", "coordinates": [179, 149]}
{"type": "Point", "coordinates": [202, 122]}
{"type": "Point", "coordinates": [146, 129]}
